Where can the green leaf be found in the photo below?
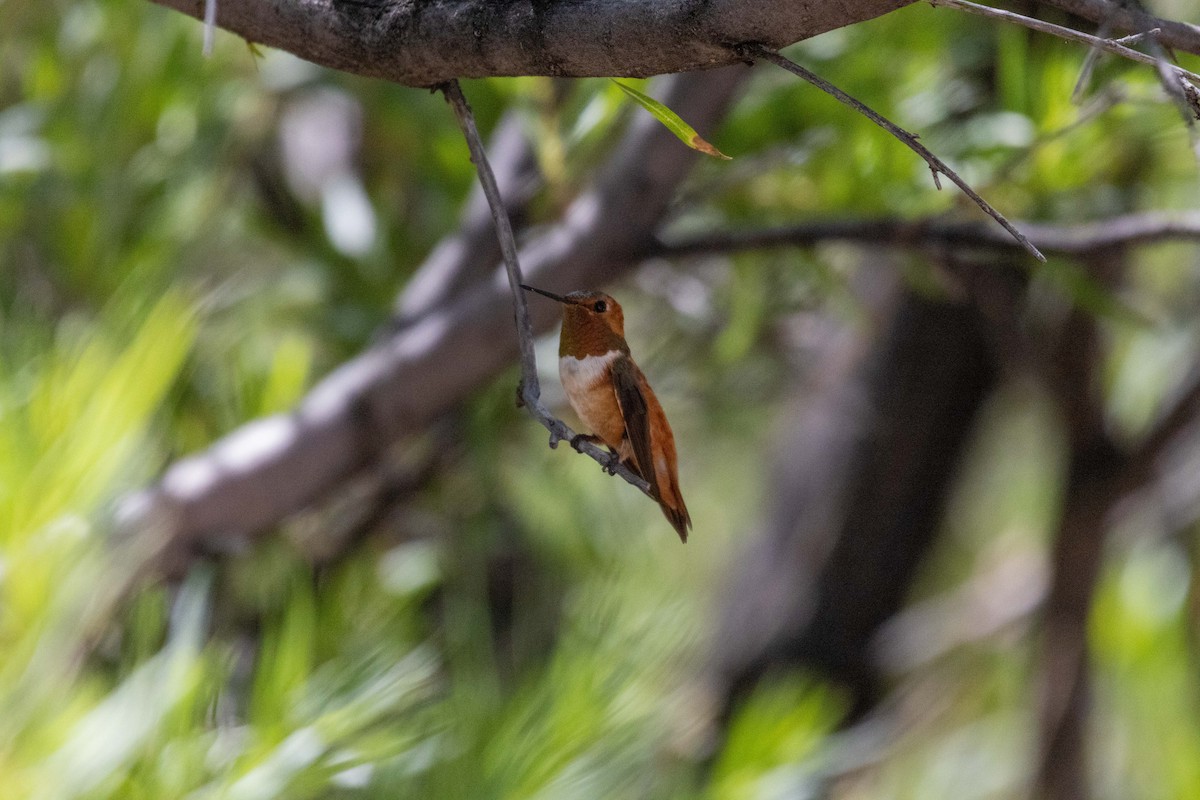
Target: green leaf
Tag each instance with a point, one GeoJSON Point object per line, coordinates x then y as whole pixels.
{"type": "Point", "coordinates": [686, 133]}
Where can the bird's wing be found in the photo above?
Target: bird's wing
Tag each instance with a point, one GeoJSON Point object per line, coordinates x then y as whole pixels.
{"type": "Point", "coordinates": [627, 383]}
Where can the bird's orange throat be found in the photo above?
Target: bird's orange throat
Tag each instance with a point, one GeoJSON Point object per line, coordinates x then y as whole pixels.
{"type": "Point", "coordinates": [583, 336]}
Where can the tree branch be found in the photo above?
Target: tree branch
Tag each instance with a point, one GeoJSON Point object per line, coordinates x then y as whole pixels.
{"type": "Point", "coordinates": [1066, 240]}
{"type": "Point", "coordinates": [529, 391]}
{"type": "Point", "coordinates": [273, 467]}
{"type": "Point", "coordinates": [468, 255]}
{"type": "Point", "coordinates": [936, 165]}
{"type": "Point", "coordinates": [504, 234]}
{"type": "Point", "coordinates": [432, 41]}
{"type": "Point", "coordinates": [1108, 45]}
{"type": "Point", "coordinates": [1179, 35]}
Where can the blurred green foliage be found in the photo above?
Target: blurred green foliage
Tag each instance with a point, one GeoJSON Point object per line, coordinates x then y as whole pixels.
{"type": "Point", "coordinates": [161, 284]}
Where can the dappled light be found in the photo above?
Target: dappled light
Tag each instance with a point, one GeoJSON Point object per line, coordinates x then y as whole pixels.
{"type": "Point", "coordinates": [278, 518]}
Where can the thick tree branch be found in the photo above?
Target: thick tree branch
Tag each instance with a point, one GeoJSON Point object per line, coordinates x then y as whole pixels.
{"type": "Point", "coordinates": [529, 391]}
{"type": "Point", "coordinates": [432, 41]}
{"type": "Point", "coordinates": [936, 165]}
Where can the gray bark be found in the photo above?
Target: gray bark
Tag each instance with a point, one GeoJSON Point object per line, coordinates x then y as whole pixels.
{"type": "Point", "coordinates": [427, 42]}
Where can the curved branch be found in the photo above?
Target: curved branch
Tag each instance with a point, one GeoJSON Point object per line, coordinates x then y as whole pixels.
{"type": "Point", "coordinates": [273, 467]}
{"type": "Point", "coordinates": [468, 254]}
{"type": "Point", "coordinates": [529, 392]}
{"type": "Point", "coordinates": [936, 165]}
{"type": "Point", "coordinates": [432, 41]}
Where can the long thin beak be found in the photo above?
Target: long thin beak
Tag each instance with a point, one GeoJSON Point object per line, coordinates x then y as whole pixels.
{"type": "Point", "coordinates": [545, 293]}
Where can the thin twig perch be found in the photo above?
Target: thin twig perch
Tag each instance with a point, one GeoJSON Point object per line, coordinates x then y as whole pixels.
{"type": "Point", "coordinates": [1113, 46]}
{"type": "Point", "coordinates": [529, 392]}
{"type": "Point", "coordinates": [936, 165]}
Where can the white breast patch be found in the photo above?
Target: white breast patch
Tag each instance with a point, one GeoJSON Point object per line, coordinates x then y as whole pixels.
{"type": "Point", "coordinates": [580, 374]}
{"type": "Point", "coordinates": [579, 377]}
{"type": "Point", "coordinates": [596, 403]}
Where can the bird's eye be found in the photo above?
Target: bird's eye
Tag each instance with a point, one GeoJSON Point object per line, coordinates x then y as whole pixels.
{"type": "Point", "coordinates": [600, 307]}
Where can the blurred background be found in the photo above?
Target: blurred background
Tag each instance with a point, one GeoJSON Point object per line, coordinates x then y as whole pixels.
{"type": "Point", "coordinates": [945, 502]}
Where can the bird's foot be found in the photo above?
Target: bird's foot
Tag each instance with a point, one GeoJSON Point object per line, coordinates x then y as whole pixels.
{"type": "Point", "coordinates": [609, 466]}
{"type": "Point", "coordinates": [583, 437]}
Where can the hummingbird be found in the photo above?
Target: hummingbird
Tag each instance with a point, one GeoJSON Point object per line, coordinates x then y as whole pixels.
{"type": "Point", "coordinates": [611, 395]}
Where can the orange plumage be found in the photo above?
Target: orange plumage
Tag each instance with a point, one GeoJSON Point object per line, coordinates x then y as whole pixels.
{"type": "Point", "coordinates": [611, 395]}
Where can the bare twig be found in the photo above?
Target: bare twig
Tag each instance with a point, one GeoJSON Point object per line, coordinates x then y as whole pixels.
{"type": "Point", "coordinates": [470, 254]}
{"type": "Point", "coordinates": [936, 165]}
{"type": "Point", "coordinates": [1135, 38]}
{"type": "Point", "coordinates": [1122, 16]}
{"type": "Point", "coordinates": [1089, 64]}
{"type": "Point", "coordinates": [508, 244]}
{"type": "Point", "coordinates": [1170, 80]}
{"type": "Point", "coordinates": [1108, 45]}
{"type": "Point", "coordinates": [1067, 240]}
{"type": "Point", "coordinates": [1171, 84]}
{"type": "Point", "coordinates": [529, 391]}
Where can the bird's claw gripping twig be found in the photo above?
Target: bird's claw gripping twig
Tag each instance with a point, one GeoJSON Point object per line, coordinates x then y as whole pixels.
{"type": "Point", "coordinates": [609, 466]}
{"type": "Point", "coordinates": [581, 437]}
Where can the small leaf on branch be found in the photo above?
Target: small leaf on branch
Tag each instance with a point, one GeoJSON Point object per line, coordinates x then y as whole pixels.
{"type": "Point", "coordinates": [686, 133]}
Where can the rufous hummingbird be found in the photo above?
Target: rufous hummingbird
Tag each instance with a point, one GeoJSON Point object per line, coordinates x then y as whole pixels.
{"type": "Point", "coordinates": [612, 397]}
